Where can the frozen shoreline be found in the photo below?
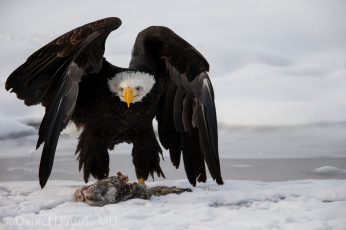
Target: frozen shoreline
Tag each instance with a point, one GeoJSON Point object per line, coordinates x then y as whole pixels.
{"type": "Point", "coordinates": [269, 170]}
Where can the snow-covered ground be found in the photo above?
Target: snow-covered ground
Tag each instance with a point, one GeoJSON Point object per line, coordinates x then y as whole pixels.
{"type": "Point", "coordinates": [279, 73]}
{"type": "Point", "coordinates": [306, 204]}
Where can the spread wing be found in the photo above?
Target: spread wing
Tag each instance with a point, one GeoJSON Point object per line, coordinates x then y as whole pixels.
{"type": "Point", "coordinates": [186, 116]}
{"type": "Point", "coordinates": [50, 76]}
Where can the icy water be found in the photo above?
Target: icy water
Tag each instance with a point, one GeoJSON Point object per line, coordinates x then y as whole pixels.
{"type": "Point", "coordinates": [310, 141]}
{"type": "Point", "coordinates": [266, 154]}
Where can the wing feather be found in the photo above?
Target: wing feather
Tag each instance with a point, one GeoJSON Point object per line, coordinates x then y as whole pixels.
{"type": "Point", "coordinates": [50, 76]}
{"type": "Point", "coordinates": [189, 109]}
{"type": "Point", "coordinates": [169, 137]}
{"type": "Point", "coordinates": [58, 116]}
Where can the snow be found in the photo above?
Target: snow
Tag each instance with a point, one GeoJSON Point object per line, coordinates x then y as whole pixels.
{"type": "Point", "coordinates": [330, 170]}
{"type": "Point", "coordinates": [278, 70]}
{"type": "Point", "coordinates": [306, 204]}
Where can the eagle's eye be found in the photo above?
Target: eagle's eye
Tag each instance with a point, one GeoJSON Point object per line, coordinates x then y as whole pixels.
{"type": "Point", "coordinates": [138, 88]}
{"type": "Point", "coordinates": [121, 89]}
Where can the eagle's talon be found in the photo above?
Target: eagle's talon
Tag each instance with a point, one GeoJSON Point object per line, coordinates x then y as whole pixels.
{"type": "Point", "coordinates": [141, 181]}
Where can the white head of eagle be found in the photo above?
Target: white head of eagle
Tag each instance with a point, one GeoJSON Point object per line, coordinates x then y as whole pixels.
{"type": "Point", "coordinates": [131, 87]}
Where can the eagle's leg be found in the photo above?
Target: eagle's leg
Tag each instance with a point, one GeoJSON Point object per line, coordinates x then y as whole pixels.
{"type": "Point", "coordinates": [145, 155]}
{"type": "Point", "coordinates": [93, 157]}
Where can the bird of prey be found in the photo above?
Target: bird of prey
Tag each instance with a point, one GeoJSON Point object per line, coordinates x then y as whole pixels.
{"type": "Point", "coordinates": [166, 79]}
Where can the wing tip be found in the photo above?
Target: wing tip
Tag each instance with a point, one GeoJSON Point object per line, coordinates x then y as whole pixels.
{"type": "Point", "coordinates": [43, 174]}
{"type": "Point", "coordinates": [43, 181]}
{"type": "Point", "coordinates": [116, 19]}
{"type": "Point", "coordinates": [112, 22]}
{"type": "Point", "coordinates": [219, 181]}
{"type": "Point", "coordinates": [7, 87]}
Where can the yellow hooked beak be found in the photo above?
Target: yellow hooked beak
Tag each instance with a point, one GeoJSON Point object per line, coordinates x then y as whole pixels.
{"type": "Point", "coordinates": [129, 95]}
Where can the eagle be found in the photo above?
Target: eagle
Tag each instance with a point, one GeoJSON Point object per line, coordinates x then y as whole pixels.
{"type": "Point", "coordinates": [166, 79]}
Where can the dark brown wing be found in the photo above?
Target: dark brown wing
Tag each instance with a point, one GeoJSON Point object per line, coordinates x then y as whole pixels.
{"type": "Point", "coordinates": [186, 115]}
{"type": "Point", "coordinates": [51, 75]}
{"type": "Point", "coordinates": [36, 80]}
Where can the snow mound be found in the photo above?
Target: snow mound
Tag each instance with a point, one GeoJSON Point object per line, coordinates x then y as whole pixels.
{"type": "Point", "coordinates": [306, 204]}
{"type": "Point", "coordinates": [329, 170]}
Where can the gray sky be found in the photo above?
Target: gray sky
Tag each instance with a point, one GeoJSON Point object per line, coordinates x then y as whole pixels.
{"type": "Point", "coordinates": [272, 62]}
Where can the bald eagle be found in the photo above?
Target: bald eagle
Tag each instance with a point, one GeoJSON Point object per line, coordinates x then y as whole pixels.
{"type": "Point", "coordinates": [167, 79]}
